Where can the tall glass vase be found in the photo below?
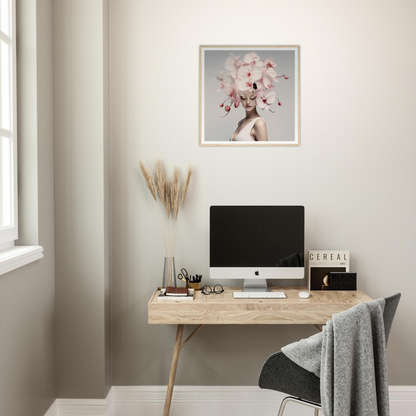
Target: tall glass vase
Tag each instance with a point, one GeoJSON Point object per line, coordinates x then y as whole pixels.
{"type": "Point", "coordinates": [169, 272]}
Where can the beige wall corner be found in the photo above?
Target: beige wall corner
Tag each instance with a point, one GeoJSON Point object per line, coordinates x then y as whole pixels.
{"type": "Point", "coordinates": [82, 199]}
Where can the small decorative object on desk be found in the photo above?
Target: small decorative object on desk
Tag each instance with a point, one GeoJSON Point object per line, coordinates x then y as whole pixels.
{"type": "Point", "coordinates": [170, 295]}
{"type": "Point", "coordinates": [191, 281]}
{"type": "Point", "coordinates": [195, 282]}
{"type": "Point", "coordinates": [323, 262]}
{"type": "Point", "coordinates": [169, 270]}
{"type": "Point", "coordinates": [342, 281]}
{"type": "Point", "coordinates": [170, 198]}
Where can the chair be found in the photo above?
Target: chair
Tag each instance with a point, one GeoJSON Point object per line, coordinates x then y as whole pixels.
{"type": "Point", "coordinates": [281, 374]}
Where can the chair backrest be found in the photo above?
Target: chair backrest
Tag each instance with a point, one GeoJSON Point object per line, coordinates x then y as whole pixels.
{"type": "Point", "coordinates": [389, 312]}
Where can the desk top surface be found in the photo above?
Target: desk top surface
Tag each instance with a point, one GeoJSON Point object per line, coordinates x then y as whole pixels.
{"type": "Point", "coordinates": [218, 309]}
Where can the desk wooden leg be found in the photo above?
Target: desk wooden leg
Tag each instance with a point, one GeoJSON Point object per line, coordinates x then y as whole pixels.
{"type": "Point", "coordinates": [173, 368]}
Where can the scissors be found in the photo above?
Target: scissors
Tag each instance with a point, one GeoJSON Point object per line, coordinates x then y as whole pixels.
{"type": "Point", "coordinates": [183, 275]}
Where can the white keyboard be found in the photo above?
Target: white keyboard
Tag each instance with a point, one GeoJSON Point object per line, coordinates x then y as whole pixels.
{"type": "Point", "coordinates": [259, 295]}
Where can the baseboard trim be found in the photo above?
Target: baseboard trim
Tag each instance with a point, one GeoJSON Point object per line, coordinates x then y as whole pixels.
{"type": "Point", "coordinates": [194, 394]}
{"type": "Point", "coordinates": [402, 394]}
{"type": "Point", "coordinates": [84, 407]}
{"type": "Point", "coordinates": [203, 400]}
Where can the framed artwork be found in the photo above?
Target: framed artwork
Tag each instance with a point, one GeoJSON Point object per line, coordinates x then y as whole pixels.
{"type": "Point", "coordinates": [249, 95]}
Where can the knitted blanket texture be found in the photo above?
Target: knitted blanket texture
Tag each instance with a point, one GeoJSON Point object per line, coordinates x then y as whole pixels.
{"type": "Point", "coordinates": [349, 356]}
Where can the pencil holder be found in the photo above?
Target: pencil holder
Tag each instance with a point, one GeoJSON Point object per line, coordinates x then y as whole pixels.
{"type": "Point", "coordinates": [195, 286]}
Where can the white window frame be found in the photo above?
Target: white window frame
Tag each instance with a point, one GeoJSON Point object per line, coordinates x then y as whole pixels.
{"type": "Point", "coordinates": [11, 256]}
{"type": "Point", "coordinates": [9, 233]}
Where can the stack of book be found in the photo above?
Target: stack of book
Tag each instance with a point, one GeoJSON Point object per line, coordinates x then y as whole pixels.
{"type": "Point", "coordinates": [176, 293]}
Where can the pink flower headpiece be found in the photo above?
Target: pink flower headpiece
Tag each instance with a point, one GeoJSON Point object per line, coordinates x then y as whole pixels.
{"type": "Point", "coordinates": [249, 73]}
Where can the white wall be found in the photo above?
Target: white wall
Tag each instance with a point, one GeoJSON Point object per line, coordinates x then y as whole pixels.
{"type": "Point", "coordinates": [354, 171]}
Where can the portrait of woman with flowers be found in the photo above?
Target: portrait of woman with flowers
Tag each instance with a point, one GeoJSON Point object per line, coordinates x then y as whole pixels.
{"type": "Point", "coordinates": [249, 97]}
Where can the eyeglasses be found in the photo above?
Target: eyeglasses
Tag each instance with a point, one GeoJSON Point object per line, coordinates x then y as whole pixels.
{"type": "Point", "coordinates": [207, 290]}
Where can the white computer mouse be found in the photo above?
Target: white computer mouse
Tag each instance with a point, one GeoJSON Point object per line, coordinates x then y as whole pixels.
{"type": "Point", "coordinates": [304, 295]}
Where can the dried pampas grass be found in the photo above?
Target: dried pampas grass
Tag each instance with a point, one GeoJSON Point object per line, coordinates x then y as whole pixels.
{"type": "Point", "coordinates": [170, 198]}
{"type": "Point", "coordinates": [186, 183]}
{"type": "Point", "coordinates": [175, 193]}
{"type": "Point", "coordinates": [160, 180]}
{"type": "Point", "coordinates": [167, 197]}
{"type": "Point", "coordinates": [148, 179]}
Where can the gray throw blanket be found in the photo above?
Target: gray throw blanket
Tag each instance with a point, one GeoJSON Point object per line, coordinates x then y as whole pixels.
{"type": "Point", "coordinates": [350, 358]}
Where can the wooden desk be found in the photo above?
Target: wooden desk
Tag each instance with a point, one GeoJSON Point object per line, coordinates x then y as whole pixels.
{"type": "Point", "coordinates": [220, 309]}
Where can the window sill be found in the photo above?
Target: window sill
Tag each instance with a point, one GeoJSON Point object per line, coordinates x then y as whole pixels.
{"type": "Point", "coordinates": [18, 256]}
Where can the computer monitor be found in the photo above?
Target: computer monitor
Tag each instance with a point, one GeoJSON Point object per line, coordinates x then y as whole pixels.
{"type": "Point", "coordinates": [256, 242]}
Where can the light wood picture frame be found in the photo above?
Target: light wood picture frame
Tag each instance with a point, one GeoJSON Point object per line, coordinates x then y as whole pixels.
{"type": "Point", "coordinates": [240, 84]}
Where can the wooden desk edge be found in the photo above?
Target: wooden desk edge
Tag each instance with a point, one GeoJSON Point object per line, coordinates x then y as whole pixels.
{"type": "Point", "coordinates": [268, 312]}
{"type": "Point", "coordinates": [152, 298]}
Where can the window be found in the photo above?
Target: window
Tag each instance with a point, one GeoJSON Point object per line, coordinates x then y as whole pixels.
{"type": "Point", "coordinates": [8, 145]}
{"type": "Point", "coordinates": [11, 256]}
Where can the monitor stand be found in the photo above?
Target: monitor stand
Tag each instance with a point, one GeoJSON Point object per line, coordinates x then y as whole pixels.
{"type": "Point", "coordinates": [255, 285]}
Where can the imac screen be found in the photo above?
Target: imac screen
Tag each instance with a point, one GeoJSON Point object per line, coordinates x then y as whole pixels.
{"type": "Point", "coordinates": [257, 236]}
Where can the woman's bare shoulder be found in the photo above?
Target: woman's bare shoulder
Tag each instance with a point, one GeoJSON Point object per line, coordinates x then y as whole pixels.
{"type": "Point", "coordinates": [260, 130]}
{"type": "Point", "coordinates": [260, 122]}
{"type": "Point", "coordinates": [259, 125]}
